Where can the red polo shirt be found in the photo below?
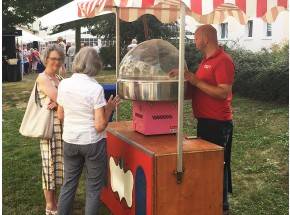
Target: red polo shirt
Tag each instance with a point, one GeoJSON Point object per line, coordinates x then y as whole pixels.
{"type": "Point", "coordinates": [215, 70]}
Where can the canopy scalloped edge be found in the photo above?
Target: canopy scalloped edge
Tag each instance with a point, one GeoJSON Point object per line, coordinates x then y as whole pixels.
{"type": "Point", "coordinates": [168, 13]}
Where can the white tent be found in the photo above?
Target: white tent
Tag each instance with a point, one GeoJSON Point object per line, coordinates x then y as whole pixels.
{"type": "Point", "coordinates": [28, 37]}
{"type": "Point", "coordinates": [64, 14]}
{"type": "Point", "coordinates": [68, 35]}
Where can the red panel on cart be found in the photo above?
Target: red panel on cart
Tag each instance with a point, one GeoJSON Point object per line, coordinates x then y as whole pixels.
{"type": "Point", "coordinates": [132, 158]}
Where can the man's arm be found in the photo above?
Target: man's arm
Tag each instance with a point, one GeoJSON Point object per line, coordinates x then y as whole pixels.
{"type": "Point", "coordinates": [219, 92]}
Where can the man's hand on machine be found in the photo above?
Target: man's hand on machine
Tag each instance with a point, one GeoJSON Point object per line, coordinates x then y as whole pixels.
{"type": "Point", "coordinates": [189, 76]}
{"type": "Point", "coordinates": [113, 102]}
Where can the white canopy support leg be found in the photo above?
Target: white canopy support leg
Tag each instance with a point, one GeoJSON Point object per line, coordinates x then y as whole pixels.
{"type": "Point", "coordinates": [117, 51]}
{"type": "Point", "coordinates": [179, 171]}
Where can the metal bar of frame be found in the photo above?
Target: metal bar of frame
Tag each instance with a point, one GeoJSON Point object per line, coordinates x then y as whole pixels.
{"type": "Point", "coordinates": [117, 52]}
{"type": "Point", "coordinates": [179, 170]}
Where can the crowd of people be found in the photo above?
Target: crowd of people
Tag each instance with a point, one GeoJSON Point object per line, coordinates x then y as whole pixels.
{"type": "Point", "coordinates": [29, 57]}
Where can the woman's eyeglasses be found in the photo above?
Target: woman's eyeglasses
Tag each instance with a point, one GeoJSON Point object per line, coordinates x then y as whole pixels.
{"type": "Point", "coordinates": [55, 59]}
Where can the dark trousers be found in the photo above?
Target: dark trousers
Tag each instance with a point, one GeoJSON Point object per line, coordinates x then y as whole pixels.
{"type": "Point", "coordinates": [94, 158]}
{"type": "Point", "coordinates": [220, 133]}
{"type": "Point", "coordinates": [26, 67]}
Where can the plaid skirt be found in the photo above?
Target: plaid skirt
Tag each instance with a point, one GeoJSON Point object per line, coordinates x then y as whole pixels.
{"type": "Point", "coordinates": [52, 157]}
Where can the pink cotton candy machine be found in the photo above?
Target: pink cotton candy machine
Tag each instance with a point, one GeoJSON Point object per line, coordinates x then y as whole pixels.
{"type": "Point", "coordinates": [143, 78]}
{"type": "Point", "coordinates": [151, 118]}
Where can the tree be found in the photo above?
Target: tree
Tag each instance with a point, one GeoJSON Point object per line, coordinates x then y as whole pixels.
{"type": "Point", "coordinates": [146, 27]}
{"type": "Point", "coordinates": [20, 12]}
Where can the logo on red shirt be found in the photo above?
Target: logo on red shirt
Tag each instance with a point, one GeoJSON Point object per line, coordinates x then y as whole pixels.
{"type": "Point", "coordinates": [206, 66]}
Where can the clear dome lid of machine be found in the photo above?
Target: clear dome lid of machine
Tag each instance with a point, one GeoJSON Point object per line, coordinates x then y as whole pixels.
{"type": "Point", "coordinates": [143, 74]}
{"type": "Point", "coordinates": [150, 60]}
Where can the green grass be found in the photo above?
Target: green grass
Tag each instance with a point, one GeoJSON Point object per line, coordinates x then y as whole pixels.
{"type": "Point", "coordinates": [259, 157]}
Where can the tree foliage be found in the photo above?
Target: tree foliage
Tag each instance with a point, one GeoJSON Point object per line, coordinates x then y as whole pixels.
{"type": "Point", "coordinates": [146, 27]}
{"type": "Point", "coordinates": [262, 75]}
{"type": "Point", "coordinates": [21, 12]}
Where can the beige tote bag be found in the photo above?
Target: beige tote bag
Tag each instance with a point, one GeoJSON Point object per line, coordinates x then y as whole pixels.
{"type": "Point", "coordinates": [37, 120]}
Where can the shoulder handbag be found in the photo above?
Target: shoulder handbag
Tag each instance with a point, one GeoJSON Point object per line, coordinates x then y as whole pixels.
{"type": "Point", "coordinates": [38, 120]}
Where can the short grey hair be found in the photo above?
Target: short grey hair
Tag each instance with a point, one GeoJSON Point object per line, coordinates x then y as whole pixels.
{"type": "Point", "coordinates": [87, 61]}
{"type": "Point", "coordinates": [46, 52]}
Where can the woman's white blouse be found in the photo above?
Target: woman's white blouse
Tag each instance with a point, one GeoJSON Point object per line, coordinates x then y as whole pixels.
{"type": "Point", "coordinates": [79, 96]}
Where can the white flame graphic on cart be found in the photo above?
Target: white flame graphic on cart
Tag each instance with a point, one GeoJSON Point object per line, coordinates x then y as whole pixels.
{"type": "Point", "coordinates": [121, 182]}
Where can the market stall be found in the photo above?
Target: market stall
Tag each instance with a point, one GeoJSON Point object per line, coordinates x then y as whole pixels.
{"type": "Point", "coordinates": [151, 173]}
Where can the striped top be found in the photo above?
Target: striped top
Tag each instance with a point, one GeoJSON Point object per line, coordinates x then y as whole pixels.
{"type": "Point", "coordinates": [204, 11]}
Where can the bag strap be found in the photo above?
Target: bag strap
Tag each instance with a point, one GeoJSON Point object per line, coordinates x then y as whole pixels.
{"type": "Point", "coordinates": [37, 98]}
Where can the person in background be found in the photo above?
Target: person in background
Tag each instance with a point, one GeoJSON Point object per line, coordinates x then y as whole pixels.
{"type": "Point", "coordinates": [35, 56]}
{"type": "Point", "coordinates": [25, 62]}
{"type": "Point", "coordinates": [61, 43]}
{"type": "Point", "coordinates": [86, 114]}
{"type": "Point", "coordinates": [212, 98]}
{"type": "Point", "coordinates": [51, 149]}
{"type": "Point", "coordinates": [70, 54]}
{"type": "Point", "coordinates": [84, 44]}
{"type": "Point", "coordinates": [96, 47]}
{"type": "Point", "coordinates": [67, 46]}
{"type": "Point", "coordinates": [19, 58]}
{"type": "Point", "coordinates": [30, 59]}
{"type": "Point", "coordinates": [133, 44]}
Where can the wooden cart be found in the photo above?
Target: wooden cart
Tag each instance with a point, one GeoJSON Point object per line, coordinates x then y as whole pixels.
{"type": "Point", "coordinates": [147, 183]}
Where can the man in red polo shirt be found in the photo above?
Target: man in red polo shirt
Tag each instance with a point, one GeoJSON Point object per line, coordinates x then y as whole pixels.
{"type": "Point", "coordinates": [212, 97]}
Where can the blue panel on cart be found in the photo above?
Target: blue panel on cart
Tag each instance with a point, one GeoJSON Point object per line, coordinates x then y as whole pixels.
{"type": "Point", "coordinates": [109, 89]}
{"type": "Point", "coordinates": [140, 195]}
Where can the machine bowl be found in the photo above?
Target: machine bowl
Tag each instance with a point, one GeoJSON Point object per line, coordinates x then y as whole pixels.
{"type": "Point", "coordinates": [149, 90]}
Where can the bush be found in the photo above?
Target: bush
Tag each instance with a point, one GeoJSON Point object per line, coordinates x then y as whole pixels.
{"type": "Point", "coordinates": [108, 57]}
{"type": "Point", "coordinates": [192, 57]}
{"type": "Point", "coordinates": [262, 75]}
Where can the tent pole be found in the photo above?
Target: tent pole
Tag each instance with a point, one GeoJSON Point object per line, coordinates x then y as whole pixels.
{"type": "Point", "coordinates": [179, 170]}
{"type": "Point", "coordinates": [117, 52]}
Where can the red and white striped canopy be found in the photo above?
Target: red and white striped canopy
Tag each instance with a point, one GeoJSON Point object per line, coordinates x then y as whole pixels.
{"type": "Point", "coordinates": [204, 11]}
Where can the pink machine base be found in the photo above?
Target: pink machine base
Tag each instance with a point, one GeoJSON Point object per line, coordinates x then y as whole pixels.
{"type": "Point", "coordinates": [153, 118]}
